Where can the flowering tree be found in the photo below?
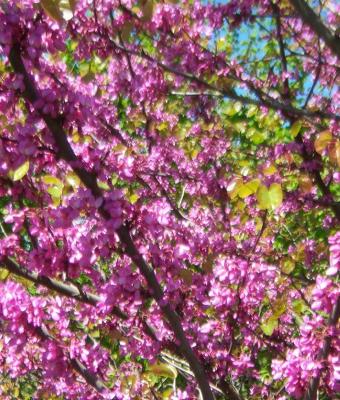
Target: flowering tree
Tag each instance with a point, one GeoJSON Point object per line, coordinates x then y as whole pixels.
{"type": "Point", "coordinates": [169, 199]}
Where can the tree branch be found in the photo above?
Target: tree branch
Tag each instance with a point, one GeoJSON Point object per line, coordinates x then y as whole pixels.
{"type": "Point", "coordinates": [89, 180]}
{"type": "Point", "coordinates": [286, 89]}
{"type": "Point", "coordinates": [314, 22]}
{"type": "Point", "coordinates": [62, 288]}
{"type": "Point", "coordinates": [264, 99]}
{"type": "Point", "coordinates": [89, 377]}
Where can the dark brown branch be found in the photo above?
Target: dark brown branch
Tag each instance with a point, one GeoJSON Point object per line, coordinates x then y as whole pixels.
{"type": "Point", "coordinates": [89, 377]}
{"type": "Point", "coordinates": [66, 153]}
{"type": "Point", "coordinates": [286, 89]}
{"type": "Point", "coordinates": [263, 227]}
{"type": "Point", "coordinates": [66, 290]}
{"type": "Point", "coordinates": [264, 99]}
{"type": "Point", "coordinates": [315, 81]}
{"type": "Point", "coordinates": [314, 22]}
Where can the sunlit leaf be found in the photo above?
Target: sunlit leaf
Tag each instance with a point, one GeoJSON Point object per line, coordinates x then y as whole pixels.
{"type": "Point", "coordinates": [103, 185]}
{"type": "Point", "coordinates": [133, 198]}
{"type": "Point", "coordinates": [162, 369]}
{"type": "Point", "coordinates": [322, 140]}
{"type": "Point", "coordinates": [270, 170]}
{"type": "Point", "coordinates": [251, 111]}
{"type": "Point", "coordinates": [20, 172]}
{"type": "Point", "coordinates": [167, 393]}
{"type": "Point", "coordinates": [295, 128]}
{"type": "Point", "coordinates": [234, 186]}
{"type": "Point", "coordinates": [248, 188]}
{"type": "Point", "coordinates": [51, 180]}
{"type": "Point", "coordinates": [55, 191]}
{"type": "Point", "coordinates": [269, 325]}
{"type": "Point", "coordinates": [279, 306]}
{"type": "Point", "coordinates": [72, 179]}
{"type": "Point", "coordinates": [287, 266]}
{"type": "Point", "coordinates": [299, 306]}
{"type": "Point", "coordinates": [269, 198]}
{"type": "Point", "coordinates": [4, 273]}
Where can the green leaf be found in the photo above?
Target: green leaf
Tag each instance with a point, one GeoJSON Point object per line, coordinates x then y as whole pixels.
{"type": "Point", "coordinates": [55, 191]}
{"type": "Point", "coordinates": [299, 306]}
{"type": "Point", "coordinates": [162, 369]}
{"type": "Point", "coordinates": [72, 179]}
{"type": "Point", "coordinates": [20, 172]}
{"type": "Point", "coordinates": [269, 198]}
{"type": "Point", "coordinates": [295, 128]}
{"type": "Point", "coordinates": [269, 325]}
{"type": "Point", "coordinates": [4, 274]}
{"type": "Point", "coordinates": [287, 266]}
{"type": "Point", "coordinates": [234, 187]}
{"type": "Point", "coordinates": [248, 188]}
{"type": "Point", "coordinates": [133, 198]}
{"type": "Point", "coordinates": [322, 141]}
{"type": "Point", "coordinates": [52, 180]}
{"type": "Point", "coordinates": [103, 185]}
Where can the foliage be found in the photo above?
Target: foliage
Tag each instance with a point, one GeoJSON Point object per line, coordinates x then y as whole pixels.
{"type": "Point", "coordinates": [169, 199]}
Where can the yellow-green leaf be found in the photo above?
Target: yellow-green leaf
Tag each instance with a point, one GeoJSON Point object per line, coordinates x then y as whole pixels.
{"type": "Point", "coordinates": [20, 172]}
{"type": "Point", "coordinates": [4, 274]}
{"type": "Point", "coordinates": [299, 306]}
{"type": "Point", "coordinates": [56, 200]}
{"type": "Point", "coordinates": [234, 186]}
{"type": "Point", "coordinates": [251, 111]}
{"type": "Point", "coordinates": [72, 179]}
{"type": "Point", "coordinates": [51, 180]}
{"type": "Point", "coordinates": [270, 170]}
{"type": "Point", "coordinates": [269, 325]}
{"type": "Point", "coordinates": [84, 69]}
{"type": "Point", "coordinates": [322, 140]}
{"type": "Point", "coordinates": [114, 179]}
{"type": "Point", "coordinates": [103, 185]}
{"type": "Point", "coordinates": [167, 393]}
{"type": "Point", "coordinates": [133, 198]}
{"type": "Point", "coordinates": [295, 128]}
{"type": "Point", "coordinates": [248, 188]}
{"type": "Point", "coordinates": [287, 266]}
{"type": "Point", "coordinates": [162, 369]}
{"type": "Point", "coordinates": [279, 307]}
{"type": "Point", "coordinates": [55, 191]}
{"type": "Point", "coordinates": [269, 198]}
